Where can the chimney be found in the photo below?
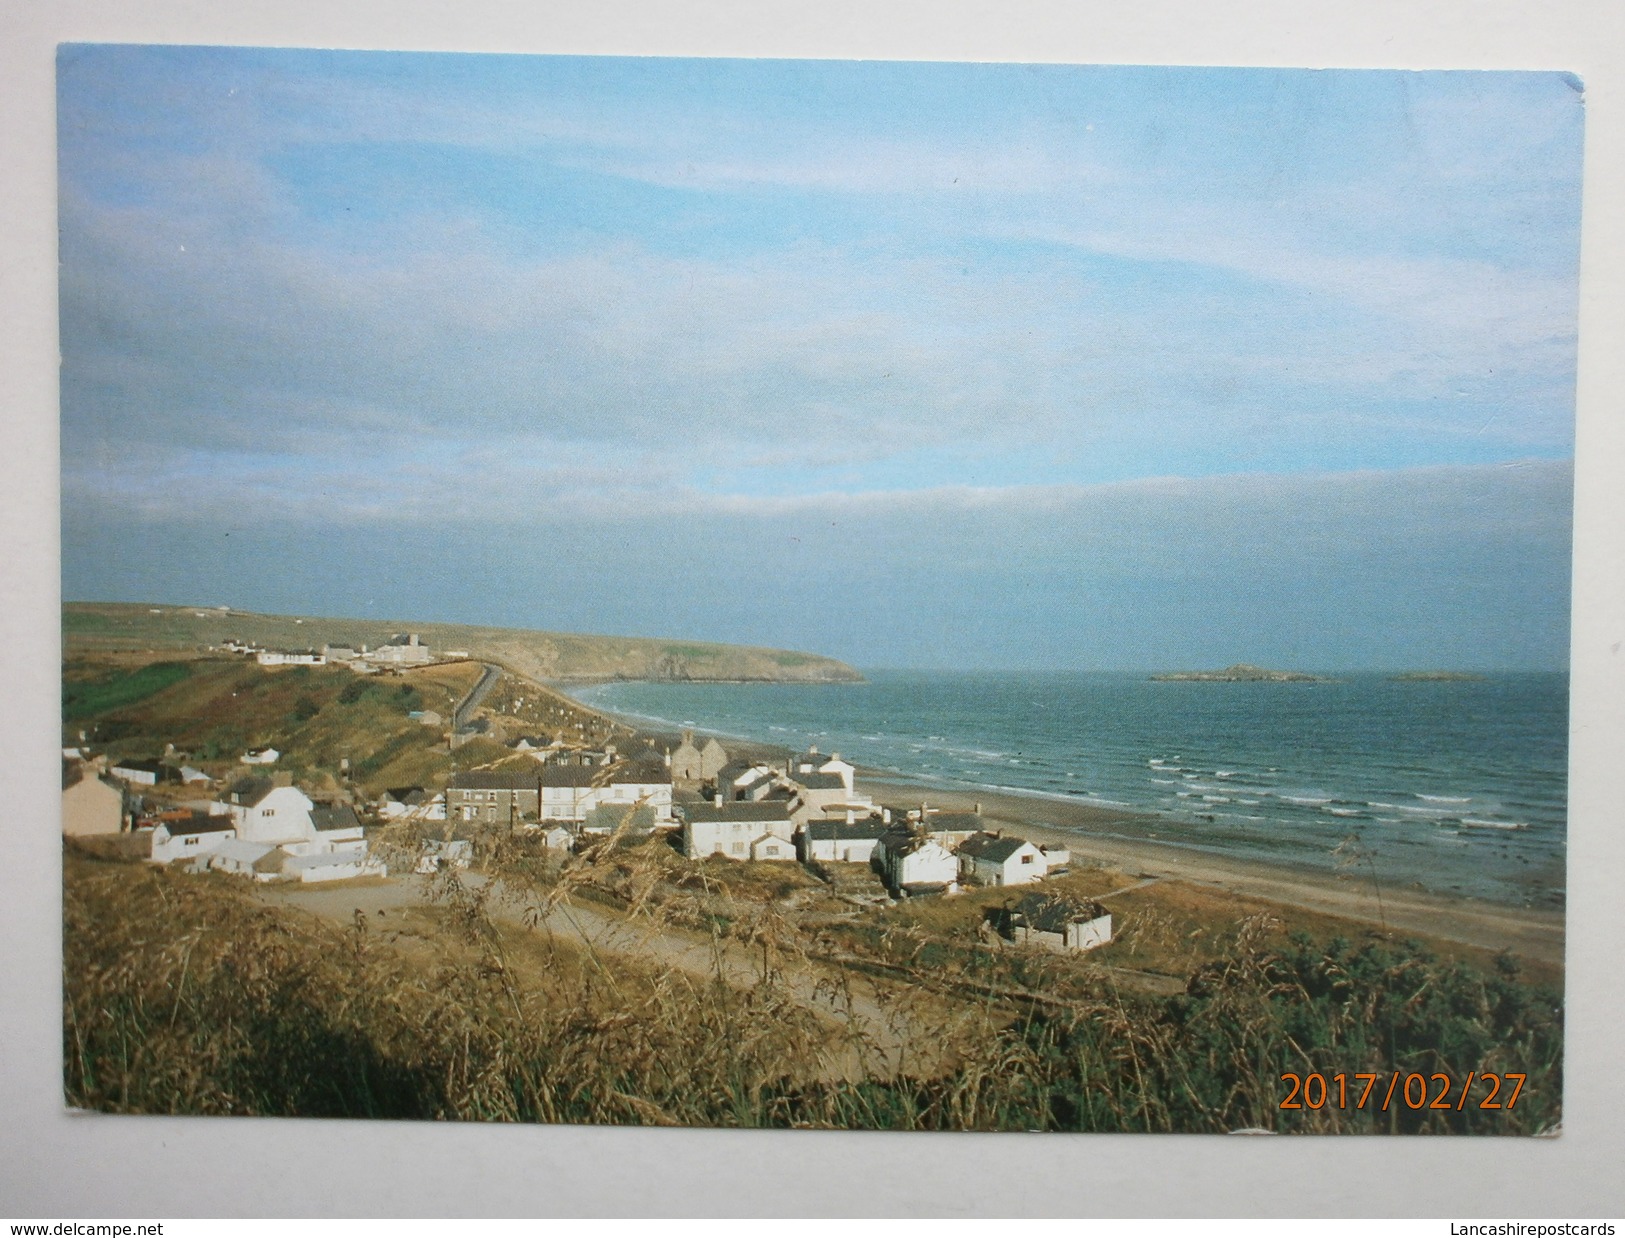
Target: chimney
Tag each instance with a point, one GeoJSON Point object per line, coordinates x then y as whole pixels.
{"type": "Point", "coordinates": [834, 756]}
{"type": "Point", "coordinates": [851, 817]}
{"type": "Point", "coordinates": [812, 749]}
{"type": "Point", "coordinates": [885, 816]}
{"type": "Point", "coordinates": [688, 737]}
{"type": "Point", "coordinates": [719, 799]}
{"type": "Point", "coordinates": [412, 639]}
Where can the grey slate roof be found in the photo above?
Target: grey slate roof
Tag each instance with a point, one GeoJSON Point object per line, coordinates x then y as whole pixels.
{"type": "Point", "coordinates": [990, 847]}
{"type": "Point", "coordinates": [825, 831]}
{"type": "Point", "coordinates": [821, 782]}
{"type": "Point", "coordinates": [647, 773]}
{"type": "Point", "coordinates": [146, 765]}
{"type": "Point", "coordinates": [250, 791]}
{"type": "Point", "coordinates": [496, 780]}
{"type": "Point", "coordinates": [569, 775]}
{"type": "Point", "coordinates": [334, 817]}
{"type": "Point", "coordinates": [736, 810]}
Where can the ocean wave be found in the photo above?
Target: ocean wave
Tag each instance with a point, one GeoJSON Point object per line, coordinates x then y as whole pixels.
{"type": "Point", "coordinates": [1445, 799]}
{"type": "Point", "coordinates": [1480, 823]}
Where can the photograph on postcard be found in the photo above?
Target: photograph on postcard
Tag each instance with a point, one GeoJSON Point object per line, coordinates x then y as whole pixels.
{"type": "Point", "coordinates": [857, 595]}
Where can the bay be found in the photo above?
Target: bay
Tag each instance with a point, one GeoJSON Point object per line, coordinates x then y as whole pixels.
{"type": "Point", "coordinates": [1453, 785]}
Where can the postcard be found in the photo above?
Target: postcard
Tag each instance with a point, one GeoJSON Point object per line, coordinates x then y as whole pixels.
{"type": "Point", "coordinates": [816, 594]}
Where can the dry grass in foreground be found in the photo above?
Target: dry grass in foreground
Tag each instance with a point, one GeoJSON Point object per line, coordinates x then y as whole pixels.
{"type": "Point", "coordinates": [186, 995]}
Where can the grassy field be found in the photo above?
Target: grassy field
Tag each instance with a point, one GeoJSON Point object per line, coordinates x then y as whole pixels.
{"type": "Point", "coordinates": [318, 717]}
{"type": "Point", "coordinates": [545, 656]}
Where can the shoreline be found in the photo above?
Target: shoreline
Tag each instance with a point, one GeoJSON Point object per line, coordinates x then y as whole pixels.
{"type": "Point", "coordinates": [1145, 844]}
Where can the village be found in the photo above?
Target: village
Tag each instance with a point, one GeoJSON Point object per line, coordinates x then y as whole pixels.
{"type": "Point", "coordinates": [567, 791]}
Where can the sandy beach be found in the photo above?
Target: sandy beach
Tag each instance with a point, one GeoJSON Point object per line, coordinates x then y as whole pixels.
{"type": "Point", "coordinates": [1105, 836]}
{"type": "Point", "coordinates": [1144, 844]}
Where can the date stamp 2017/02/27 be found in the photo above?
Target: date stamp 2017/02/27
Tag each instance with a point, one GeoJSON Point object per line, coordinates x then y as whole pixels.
{"type": "Point", "coordinates": [1413, 1090]}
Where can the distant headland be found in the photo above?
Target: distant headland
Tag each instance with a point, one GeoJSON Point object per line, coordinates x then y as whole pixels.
{"type": "Point", "coordinates": [1241, 672]}
{"type": "Point", "coordinates": [553, 657]}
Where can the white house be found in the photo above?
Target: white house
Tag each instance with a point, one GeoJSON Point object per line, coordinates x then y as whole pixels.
{"type": "Point", "coordinates": [841, 842]}
{"type": "Point", "coordinates": [557, 838]}
{"type": "Point", "coordinates": [1000, 860]}
{"type": "Point", "coordinates": [814, 762]}
{"type": "Point", "coordinates": [193, 836]}
{"type": "Point", "coordinates": [411, 804]}
{"type": "Point", "coordinates": [732, 827]}
{"type": "Point", "coordinates": [948, 828]}
{"type": "Point", "coordinates": [330, 866]}
{"type": "Point", "coordinates": [145, 773]}
{"type": "Point", "coordinates": [295, 657]}
{"type": "Point", "coordinates": [406, 650]}
{"type": "Point", "coordinates": [916, 863]}
{"type": "Point", "coordinates": [260, 756]}
{"type": "Point", "coordinates": [397, 803]}
{"type": "Point", "coordinates": [281, 833]}
{"type": "Point", "coordinates": [270, 814]}
{"type": "Point", "coordinates": [747, 780]}
{"type": "Point", "coordinates": [335, 828]}
{"type": "Point", "coordinates": [824, 796]}
{"type": "Point", "coordinates": [772, 847]}
{"type": "Point", "coordinates": [640, 782]}
{"type": "Point", "coordinates": [1057, 922]}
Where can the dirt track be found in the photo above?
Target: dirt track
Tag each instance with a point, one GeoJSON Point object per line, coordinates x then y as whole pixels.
{"type": "Point", "coordinates": [879, 1022]}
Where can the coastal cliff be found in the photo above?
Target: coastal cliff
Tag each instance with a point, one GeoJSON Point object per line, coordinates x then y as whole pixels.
{"type": "Point", "coordinates": [548, 656]}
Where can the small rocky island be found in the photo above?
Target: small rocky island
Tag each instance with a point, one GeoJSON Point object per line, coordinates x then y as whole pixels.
{"type": "Point", "coordinates": [1437, 677]}
{"type": "Point", "coordinates": [1241, 672]}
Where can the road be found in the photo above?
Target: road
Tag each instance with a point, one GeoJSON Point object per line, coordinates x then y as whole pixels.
{"type": "Point", "coordinates": [476, 694]}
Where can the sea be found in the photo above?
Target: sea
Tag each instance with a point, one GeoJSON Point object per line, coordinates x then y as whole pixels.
{"type": "Point", "coordinates": [1456, 786]}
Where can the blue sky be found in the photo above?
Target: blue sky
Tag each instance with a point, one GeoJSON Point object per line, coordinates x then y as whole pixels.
{"type": "Point", "coordinates": [913, 364]}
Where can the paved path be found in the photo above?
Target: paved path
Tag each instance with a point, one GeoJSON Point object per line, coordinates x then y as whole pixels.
{"type": "Point", "coordinates": [476, 694]}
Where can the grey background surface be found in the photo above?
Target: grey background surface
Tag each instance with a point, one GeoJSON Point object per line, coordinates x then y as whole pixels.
{"type": "Point", "coordinates": [55, 1164]}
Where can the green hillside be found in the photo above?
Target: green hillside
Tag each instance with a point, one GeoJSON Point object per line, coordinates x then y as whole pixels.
{"type": "Point", "coordinates": [318, 717]}
{"type": "Point", "coordinates": [89, 627]}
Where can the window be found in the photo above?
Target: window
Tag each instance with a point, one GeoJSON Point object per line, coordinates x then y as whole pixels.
{"type": "Point", "coordinates": [267, 812]}
{"type": "Point", "coordinates": [1027, 859]}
